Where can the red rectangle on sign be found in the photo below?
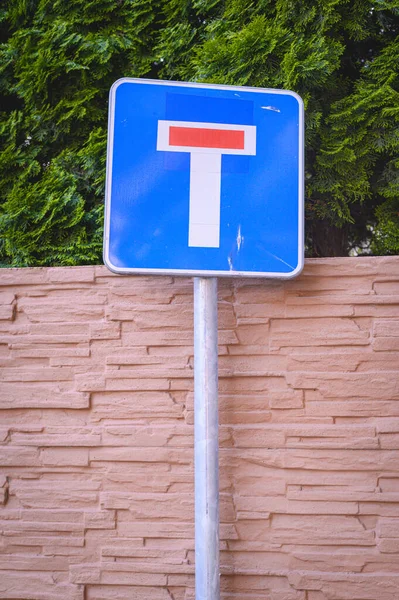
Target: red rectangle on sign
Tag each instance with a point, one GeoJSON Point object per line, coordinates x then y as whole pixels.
{"type": "Point", "coordinates": [206, 138]}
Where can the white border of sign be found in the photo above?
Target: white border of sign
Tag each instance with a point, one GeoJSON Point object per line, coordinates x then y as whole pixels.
{"type": "Point", "coordinates": [189, 272]}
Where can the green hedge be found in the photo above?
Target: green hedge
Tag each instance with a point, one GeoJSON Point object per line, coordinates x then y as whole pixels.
{"type": "Point", "coordinates": [58, 60]}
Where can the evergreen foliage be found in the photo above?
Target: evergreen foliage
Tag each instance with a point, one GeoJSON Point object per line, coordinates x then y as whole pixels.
{"type": "Point", "coordinates": [58, 60]}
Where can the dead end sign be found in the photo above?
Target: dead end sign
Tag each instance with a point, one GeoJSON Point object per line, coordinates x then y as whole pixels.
{"type": "Point", "coordinates": [204, 180]}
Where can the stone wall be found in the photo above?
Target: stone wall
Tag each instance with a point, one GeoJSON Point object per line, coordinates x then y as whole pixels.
{"type": "Point", "coordinates": [96, 434]}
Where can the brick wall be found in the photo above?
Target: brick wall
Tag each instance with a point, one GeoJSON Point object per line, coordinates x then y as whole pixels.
{"type": "Point", "coordinates": [96, 456]}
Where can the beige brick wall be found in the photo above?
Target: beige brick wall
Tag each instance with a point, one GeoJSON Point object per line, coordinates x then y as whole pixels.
{"type": "Point", "coordinates": [96, 457]}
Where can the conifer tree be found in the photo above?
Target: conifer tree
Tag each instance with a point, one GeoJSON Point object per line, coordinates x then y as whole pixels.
{"type": "Point", "coordinates": [58, 60]}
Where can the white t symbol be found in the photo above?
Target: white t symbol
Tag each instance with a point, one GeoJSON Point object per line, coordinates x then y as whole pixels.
{"type": "Point", "coordinates": [206, 143]}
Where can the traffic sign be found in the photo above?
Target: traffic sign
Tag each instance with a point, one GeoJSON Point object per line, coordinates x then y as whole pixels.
{"type": "Point", "coordinates": [204, 180]}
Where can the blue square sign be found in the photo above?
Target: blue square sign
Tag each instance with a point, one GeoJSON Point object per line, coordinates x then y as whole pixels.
{"type": "Point", "coordinates": [204, 180]}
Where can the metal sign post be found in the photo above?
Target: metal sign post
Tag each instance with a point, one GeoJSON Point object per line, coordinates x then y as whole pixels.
{"type": "Point", "coordinates": [204, 181]}
{"type": "Point", "coordinates": [206, 440]}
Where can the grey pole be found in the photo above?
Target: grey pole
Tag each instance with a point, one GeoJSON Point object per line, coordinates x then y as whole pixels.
{"type": "Point", "coordinates": [206, 443]}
